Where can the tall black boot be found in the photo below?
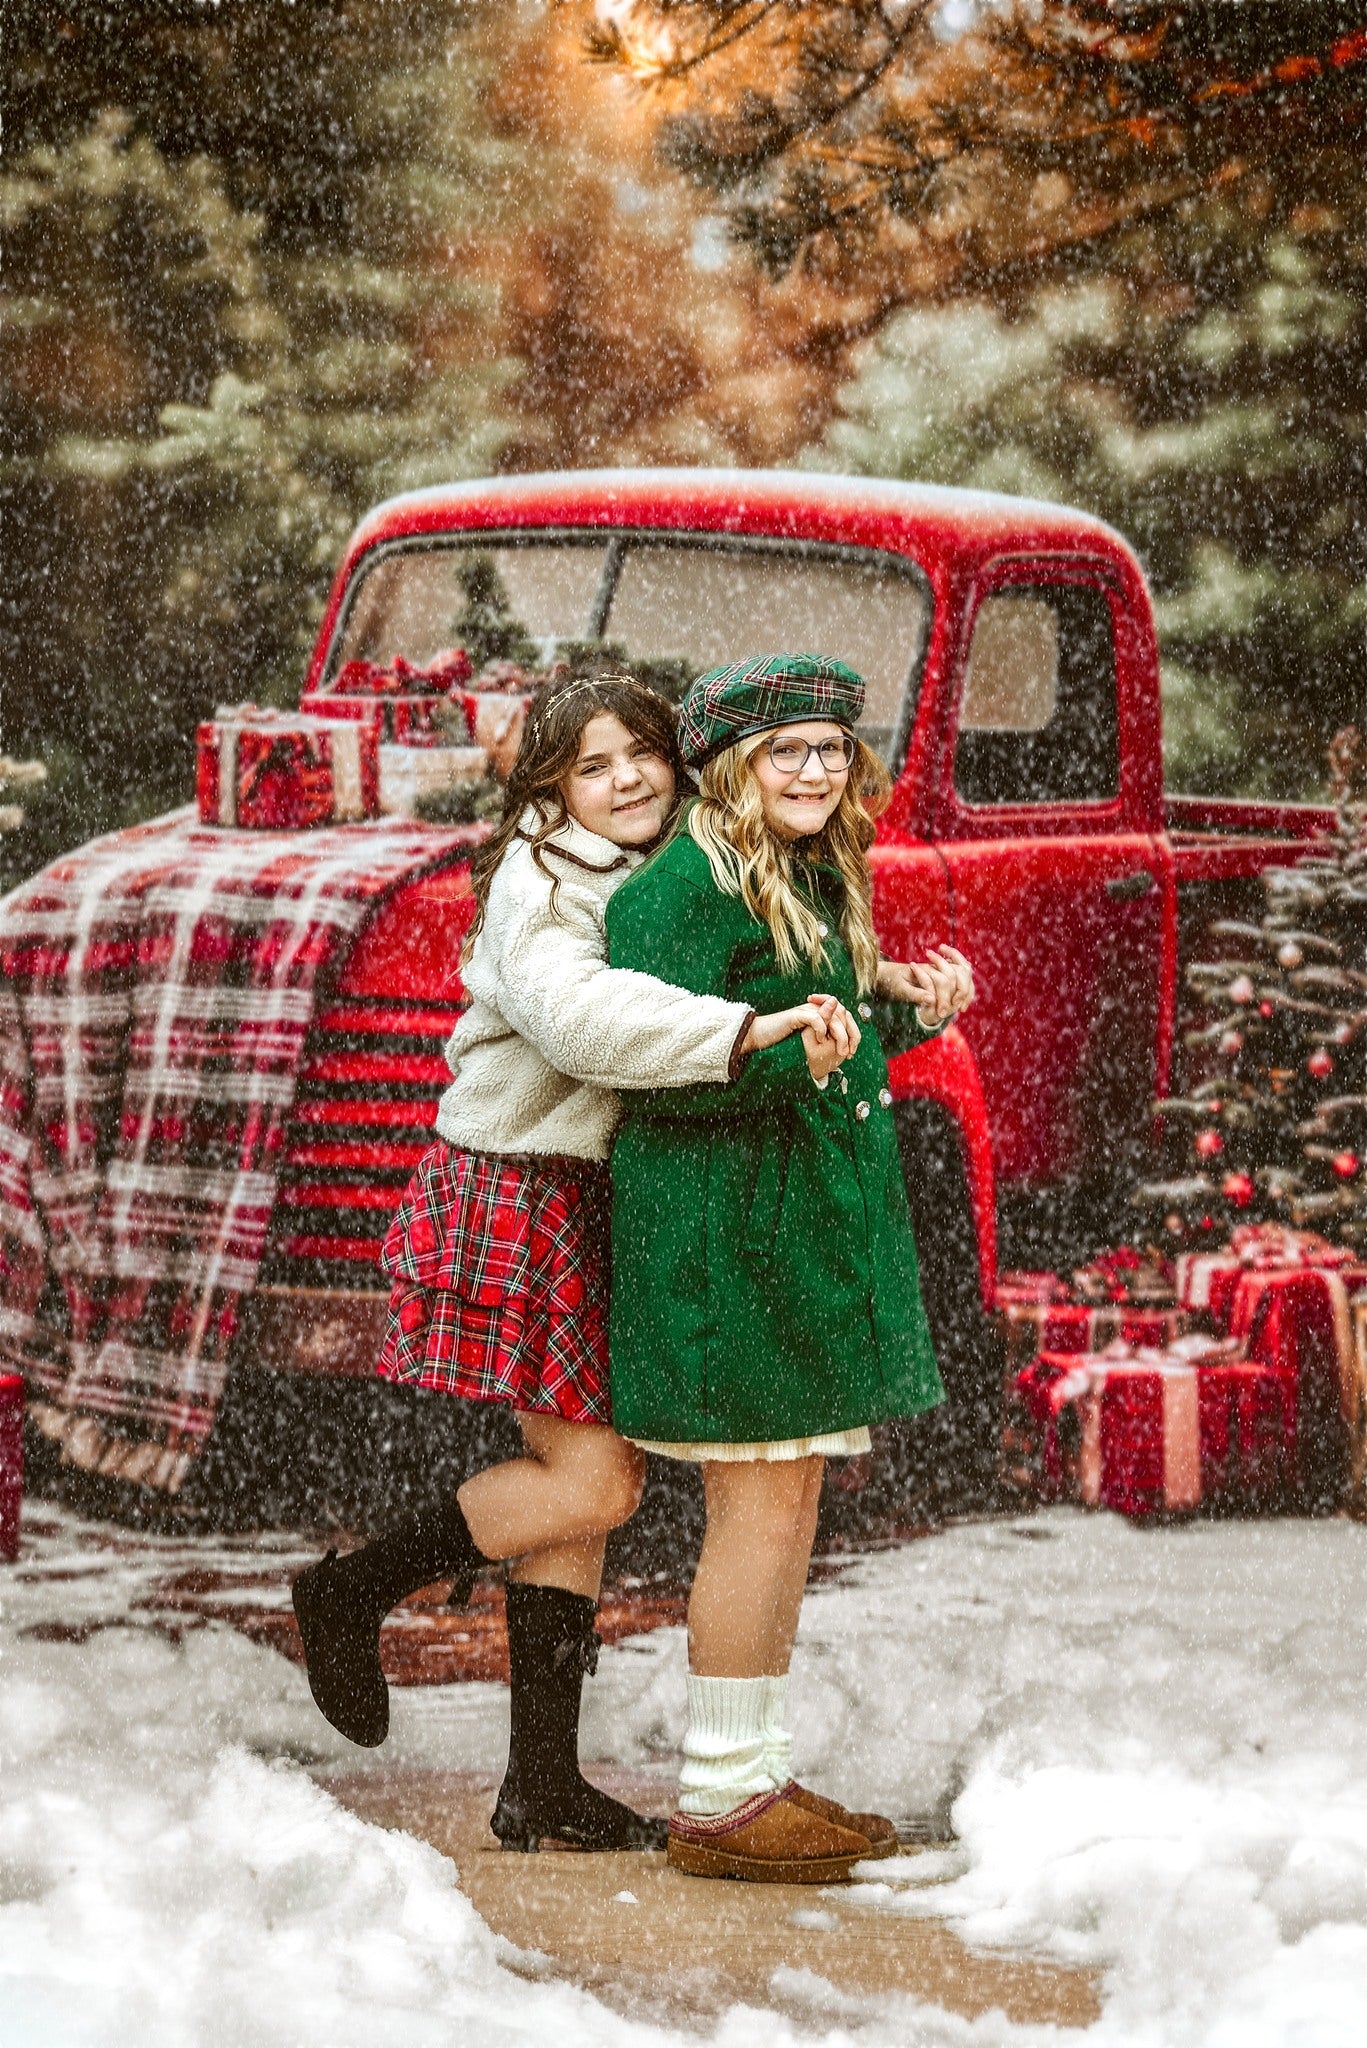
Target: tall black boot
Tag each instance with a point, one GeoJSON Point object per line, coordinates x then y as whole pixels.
{"type": "Point", "coordinates": [551, 1644]}
{"type": "Point", "coordinates": [341, 1601]}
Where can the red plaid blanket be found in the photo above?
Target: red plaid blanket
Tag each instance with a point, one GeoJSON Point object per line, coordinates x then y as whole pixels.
{"type": "Point", "coordinates": [156, 989]}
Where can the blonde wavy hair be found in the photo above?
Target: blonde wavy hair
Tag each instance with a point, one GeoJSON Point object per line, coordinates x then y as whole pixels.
{"type": "Point", "coordinates": [748, 861]}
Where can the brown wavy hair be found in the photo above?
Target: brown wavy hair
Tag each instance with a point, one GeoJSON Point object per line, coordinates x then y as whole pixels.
{"type": "Point", "coordinates": [549, 750]}
{"type": "Point", "coordinates": [749, 861]}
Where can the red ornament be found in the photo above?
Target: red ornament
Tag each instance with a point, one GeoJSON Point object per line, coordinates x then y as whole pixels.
{"type": "Point", "coordinates": [1209, 1144]}
{"type": "Point", "coordinates": [1238, 1188]}
{"type": "Point", "coordinates": [1232, 1042]}
{"type": "Point", "coordinates": [1320, 1064]}
{"type": "Point", "coordinates": [1347, 1165]}
{"type": "Point", "coordinates": [1265, 1009]}
{"type": "Point", "coordinates": [1207, 1223]}
{"type": "Point", "coordinates": [1241, 989]}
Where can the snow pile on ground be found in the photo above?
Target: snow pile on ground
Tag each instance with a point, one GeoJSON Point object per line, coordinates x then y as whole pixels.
{"type": "Point", "coordinates": [169, 1876]}
{"type": "Point", "coordinates": [1154, 1744]}
{"type": "Point", "coordinates": [172, 1877]}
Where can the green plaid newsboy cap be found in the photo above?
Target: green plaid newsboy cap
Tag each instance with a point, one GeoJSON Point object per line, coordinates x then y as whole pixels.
{"type": "Point", "coordinates": [728, 704]}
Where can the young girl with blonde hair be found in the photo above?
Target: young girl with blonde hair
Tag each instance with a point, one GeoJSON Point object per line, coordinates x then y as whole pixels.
{"type": "Point", "coordinates": [766, 1307]}
{"type": "Point", "coordinates": [498, 1255]}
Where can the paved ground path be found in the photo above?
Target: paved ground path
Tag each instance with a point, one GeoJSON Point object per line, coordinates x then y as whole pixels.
{"type": "Point", "coordinates": [683, 1949]}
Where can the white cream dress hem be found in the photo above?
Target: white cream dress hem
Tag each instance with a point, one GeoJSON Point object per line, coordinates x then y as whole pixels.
{"type": "Point", "coordinates": [836, 1443]}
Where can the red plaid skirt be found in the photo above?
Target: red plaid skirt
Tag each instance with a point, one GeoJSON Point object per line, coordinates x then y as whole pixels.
{"type": "Point", "coordinates": [499, 1283]}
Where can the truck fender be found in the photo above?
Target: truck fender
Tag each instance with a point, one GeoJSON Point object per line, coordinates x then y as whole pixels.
{"type": "Point", "coordinates": [944, 1072]}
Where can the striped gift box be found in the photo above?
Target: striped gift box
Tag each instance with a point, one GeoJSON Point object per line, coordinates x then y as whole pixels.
{"type": "Point", "coordinates": [269, 771]}
{"type": "Point", "coordinates": [1147, 1432]}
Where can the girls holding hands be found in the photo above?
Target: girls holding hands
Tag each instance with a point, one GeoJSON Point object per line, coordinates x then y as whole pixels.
{"type": "Point", "coordinates": [765, 1306]}
{"type": "Point", "coordinates": [498, 1255]}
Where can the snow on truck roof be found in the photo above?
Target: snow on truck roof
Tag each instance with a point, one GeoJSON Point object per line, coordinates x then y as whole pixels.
{"type": "Point", "coordinates": [728, 499]}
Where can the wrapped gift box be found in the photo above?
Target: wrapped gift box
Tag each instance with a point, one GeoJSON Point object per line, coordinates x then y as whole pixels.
{"type": "Point", "coordinates": [423, 762]}
{"type": "Point", "coordinates": [263, 770]}
{"type": "Point", "coordinates": [11, 1462]}
{"type": "Point", "coordinates": [1032, 1327]}
{"type": "Point", "coordinates": [445, 672]}
{"type": "Point", "coordinates": [435, 704]}
{"type": "Point", "coordinates": [1139, 1431]}
{"type": "Point", "coordinates": [1247, 1417]}
{"type": "Point", "coordinates": [1147, 1432]}
{"type": "Point", "coordinates": [511, 679]}
{"type": "Point", "coordinates": [410, 776]}
{"type": "Point", "coordinates": [1038, 1312]}
{"type": "Point", "coordinates": [1207, 1281]}
{"type": "Point", "coordinates": [1300, 1321]}
{"type": "Point", "coordinates": [1024, 1290]}
{"type": "Point", "coordinates": [1125, 1275]}
{"type": "Point", "coordinates": [484, 719]}
{"type": "Point", "coordinates": [495, 722]}
{"type": "Point", "coordinates": [409, 701]}
{"type": "Point", "coordinates": [403, 720]}
{"type": "Point", "coordinates": [1112, 1278]}
{"type": "Point", "coordinates": [435, 738]}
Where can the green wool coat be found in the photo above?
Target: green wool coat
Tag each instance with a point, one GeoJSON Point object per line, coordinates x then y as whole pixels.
{"type": "Point", "coordinates": [764, 1281]}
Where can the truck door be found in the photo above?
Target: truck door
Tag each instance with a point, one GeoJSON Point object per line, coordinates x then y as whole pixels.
{"type": "Point", "coordinates": [1055, 872]}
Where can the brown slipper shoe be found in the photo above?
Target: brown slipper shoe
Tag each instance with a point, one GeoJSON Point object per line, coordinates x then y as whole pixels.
{"type": "Point", "coordinates": [880, 1832]}
{"type": "Point", "coordinates": [770, 1839]}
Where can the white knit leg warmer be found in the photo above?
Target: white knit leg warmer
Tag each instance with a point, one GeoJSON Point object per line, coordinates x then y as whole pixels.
{"type": "Point", "coordinates": [778, 1743]}
{"type": "Point", "coordinates": [725, 1751]}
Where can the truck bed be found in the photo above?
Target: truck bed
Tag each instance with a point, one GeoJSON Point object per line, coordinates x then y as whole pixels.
{"type": "Point", "coordinates": [1225, 839]}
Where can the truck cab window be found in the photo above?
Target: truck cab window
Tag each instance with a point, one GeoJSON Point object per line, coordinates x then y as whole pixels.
{"type": "Point", "coordinates": [712, 604]}
{"type": "Point", "coordinates": [1038, 720]}
{"type": "Point", "coordinates": [668, 605]}
{"type": "Point", "coordinates": [417, 602]}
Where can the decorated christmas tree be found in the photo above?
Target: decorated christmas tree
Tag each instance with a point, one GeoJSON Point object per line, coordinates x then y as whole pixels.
{"type": "Point", "coordinates": [1276, 1127]}
{"type": "Point", "coordinates": [486, 626]}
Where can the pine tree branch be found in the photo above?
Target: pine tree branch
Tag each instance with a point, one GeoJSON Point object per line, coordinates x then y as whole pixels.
{"type": "Point", "coordinates": [606, 42]}
{"type": "Point", "coordinates": [832, 125]}
{"type": "Point", "coordinates": [1030, 265]}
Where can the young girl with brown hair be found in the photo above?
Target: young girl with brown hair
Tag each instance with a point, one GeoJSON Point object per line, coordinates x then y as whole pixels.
{"type": "Point", "coordinates": [498, 1255]}
{"type": "Point", "coordinates": [766, 1307]}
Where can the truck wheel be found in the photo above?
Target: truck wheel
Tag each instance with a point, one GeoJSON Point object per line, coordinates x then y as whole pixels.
{"type": "Point", "coordinates": [948, 1459]}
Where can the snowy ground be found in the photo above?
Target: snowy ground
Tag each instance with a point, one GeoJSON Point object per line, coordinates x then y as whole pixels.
{"type": "Point", "coordinates": [1154, 1743]}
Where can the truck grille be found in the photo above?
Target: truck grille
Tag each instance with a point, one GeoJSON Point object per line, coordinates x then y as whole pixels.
{"type": "Point", "coordinates": [367, 1094]}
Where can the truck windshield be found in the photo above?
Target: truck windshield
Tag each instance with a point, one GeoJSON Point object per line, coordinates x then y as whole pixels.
{"type": "Point", "coordinates": [670, 605]}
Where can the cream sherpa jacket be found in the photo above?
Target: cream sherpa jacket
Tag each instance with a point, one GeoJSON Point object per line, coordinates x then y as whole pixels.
{"type": "Point", "coordinates": [552, 1029]}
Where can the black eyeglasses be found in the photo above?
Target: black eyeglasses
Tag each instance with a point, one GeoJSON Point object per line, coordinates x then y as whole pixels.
{"type": "Point", "coordinates": [790, 754]}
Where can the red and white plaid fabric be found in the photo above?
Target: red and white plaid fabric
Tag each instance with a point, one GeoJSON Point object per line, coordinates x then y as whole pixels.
{"type": "Point", "coordinates": [157, 990]}
{"type": "Point", "coordinates": [500, 1283]}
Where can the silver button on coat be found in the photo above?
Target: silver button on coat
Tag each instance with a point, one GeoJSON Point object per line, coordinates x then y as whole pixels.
{"type": "Point", "coordinates": [866, 1011]}
{"type": "Point", "coordinates": [861, 1110]}
{"type": "Point", "coordinates": [885, 1097]}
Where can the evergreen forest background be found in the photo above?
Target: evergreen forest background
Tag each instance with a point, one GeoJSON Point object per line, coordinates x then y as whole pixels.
{"type": "Point", "coordinates": [267, 261]}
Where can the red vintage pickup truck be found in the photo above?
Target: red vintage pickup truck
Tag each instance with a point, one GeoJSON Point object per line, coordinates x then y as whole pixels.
{"type": "Point", "coordinates": [1013, 689]}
